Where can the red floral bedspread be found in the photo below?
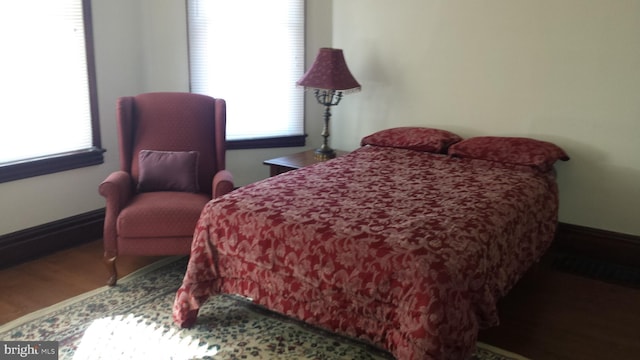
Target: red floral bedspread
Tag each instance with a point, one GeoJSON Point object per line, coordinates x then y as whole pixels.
{"type": "Point", "coordinates": [407, 250]}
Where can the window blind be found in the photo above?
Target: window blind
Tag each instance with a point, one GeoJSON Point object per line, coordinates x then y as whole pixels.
{"type": "Point", "coordinates": [250, 53]}
{"type": "Point", "coordinates": [44, 92]}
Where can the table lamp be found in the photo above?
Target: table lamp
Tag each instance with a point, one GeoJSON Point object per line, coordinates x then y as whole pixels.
{"type": "Point", "coordinates": [330, 77]}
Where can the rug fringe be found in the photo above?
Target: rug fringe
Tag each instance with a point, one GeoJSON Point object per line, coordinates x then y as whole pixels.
{"type": "Point", "coordinates": [500, 351]}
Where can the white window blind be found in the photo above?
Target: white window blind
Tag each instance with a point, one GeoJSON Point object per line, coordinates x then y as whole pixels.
{"type": "Point", "coordinates": [250, 53]}
{"type": "Point", "coordinates": [44, 87]}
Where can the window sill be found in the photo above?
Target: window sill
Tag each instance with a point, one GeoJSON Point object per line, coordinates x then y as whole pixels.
{"type": "Point", "coordinates": [50, 164]}
{"type": "Point", "coordinates": [276, 142]}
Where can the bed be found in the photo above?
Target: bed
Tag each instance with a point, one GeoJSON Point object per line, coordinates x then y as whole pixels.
{"type": "Point", "coordinates": [400, 244]}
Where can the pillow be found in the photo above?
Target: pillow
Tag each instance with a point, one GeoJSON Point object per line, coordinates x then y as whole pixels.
{"type": "Point", "coordinates": [168, 171]}
{"type": "Point", "coordinates": [413, 138]}
{"type": "Point", "coordinates": [512, 150]}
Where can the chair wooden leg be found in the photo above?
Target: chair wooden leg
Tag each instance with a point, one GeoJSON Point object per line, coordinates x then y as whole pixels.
{"type": "Point", "coordinates": [110, 263]}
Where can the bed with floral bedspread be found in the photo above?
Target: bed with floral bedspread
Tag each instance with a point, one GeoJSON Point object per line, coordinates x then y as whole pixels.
{"type": "Point", "coordinates": [408, 250]}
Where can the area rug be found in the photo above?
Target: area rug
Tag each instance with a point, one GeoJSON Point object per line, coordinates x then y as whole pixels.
{"type": "Point", "coordinates": [133, 321]}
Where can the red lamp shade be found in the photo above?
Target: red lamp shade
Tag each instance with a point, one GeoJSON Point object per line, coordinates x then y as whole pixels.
{"type": "Point", "coordinates": [330, 72]}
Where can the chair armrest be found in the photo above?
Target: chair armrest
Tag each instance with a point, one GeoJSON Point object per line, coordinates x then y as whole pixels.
{"type": "Point", "coordinates": [222, 183]}
{"type": "Point", "coordinates": [117, 189]}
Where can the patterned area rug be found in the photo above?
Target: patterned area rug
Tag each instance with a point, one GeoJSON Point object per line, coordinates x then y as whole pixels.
{"type": "Point", "coordinates": [133, 321]}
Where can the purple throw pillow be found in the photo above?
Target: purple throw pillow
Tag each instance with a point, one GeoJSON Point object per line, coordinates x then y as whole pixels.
{"type": "Point", "coordinates": [168, 171]}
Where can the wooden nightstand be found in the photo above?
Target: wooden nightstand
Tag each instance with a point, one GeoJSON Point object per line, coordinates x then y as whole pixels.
{"type": "Point", "coordinates": [294, 161]}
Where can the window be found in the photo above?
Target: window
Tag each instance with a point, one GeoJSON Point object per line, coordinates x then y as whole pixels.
{"type": "Point", "coordinates": [251, 53]}
{"type": "Point", "coordinates": [49, 119]}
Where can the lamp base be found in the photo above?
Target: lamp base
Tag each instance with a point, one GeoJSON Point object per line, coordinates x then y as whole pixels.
{"type": "Point", "coordinates": [324, 154]}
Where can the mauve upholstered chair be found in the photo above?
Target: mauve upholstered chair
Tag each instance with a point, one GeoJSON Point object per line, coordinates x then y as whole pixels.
{"type": "Point", "coordinates": [152, 202]}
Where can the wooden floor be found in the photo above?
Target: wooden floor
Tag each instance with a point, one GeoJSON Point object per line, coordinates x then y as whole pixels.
{"type": "Point", "coordinates": [46, 281]}
{"type": "Point", "coordinates": [548, 315]}
{"type": "Point", "coordinates": [555, 315]}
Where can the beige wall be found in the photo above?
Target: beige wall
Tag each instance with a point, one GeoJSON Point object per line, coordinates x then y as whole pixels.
{"type": "Point", "coordinates": [566, 71]}
{"type": "Point", "coordinates": [558, 70]}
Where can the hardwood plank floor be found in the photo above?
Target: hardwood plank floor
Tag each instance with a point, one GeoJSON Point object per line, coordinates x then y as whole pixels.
{"type": "Point", "coordinates": [36, 284]}
{"type": "Point", "coordinates": [549, 315]}
{"type": "Point", "coordinates": [555, 315]}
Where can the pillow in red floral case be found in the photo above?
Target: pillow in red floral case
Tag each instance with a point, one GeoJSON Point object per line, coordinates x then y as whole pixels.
{"type": "Point", "coordinates": [512, 150]}
{"type": "Point", "coordinates": [413, 138]}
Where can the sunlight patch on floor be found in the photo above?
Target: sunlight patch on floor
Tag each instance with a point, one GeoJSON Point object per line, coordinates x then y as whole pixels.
{"type": "Point", "coordinates": [133, 337]}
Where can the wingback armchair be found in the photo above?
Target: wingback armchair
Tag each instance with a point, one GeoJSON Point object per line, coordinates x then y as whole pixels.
{"type": "Point", "coordinates": [172, 162]}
